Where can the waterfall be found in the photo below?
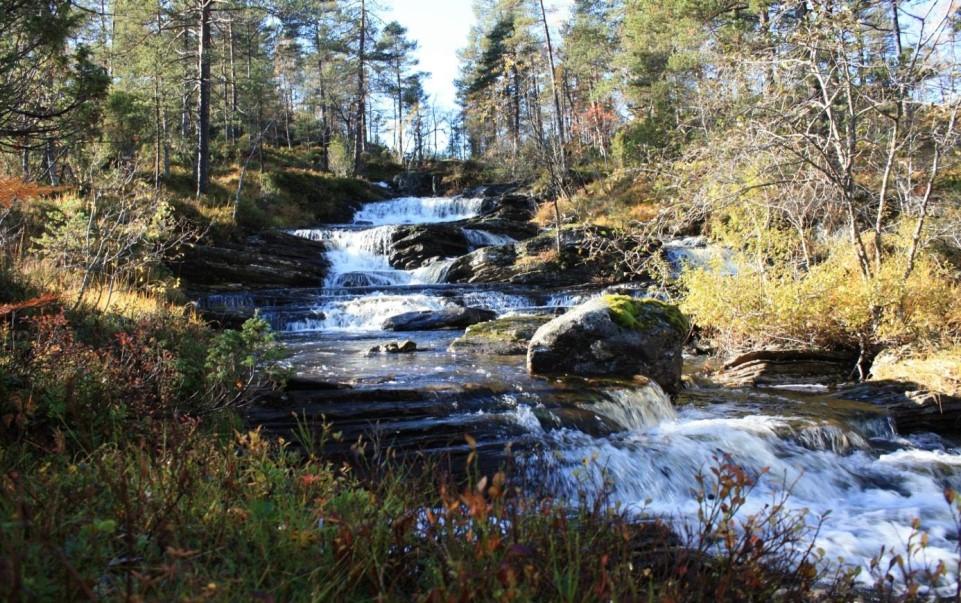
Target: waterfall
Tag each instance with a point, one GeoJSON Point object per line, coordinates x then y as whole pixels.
{"type": "Point", "coordinates": [359, 253]}
{"type": "Point", "coordinates": [366, 313]}
{"type": "Point", "coordinates": [638, 408]}
{"type": "Point", "coordinates": [418, 210]}
{"type": "Point", "coordinates": [482, 238]}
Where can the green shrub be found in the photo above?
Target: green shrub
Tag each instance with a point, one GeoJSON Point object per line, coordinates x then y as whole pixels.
{"type": "Point", "coordinates": [634, 143]}
{"type": "Point", "coordinates": [239, 360]}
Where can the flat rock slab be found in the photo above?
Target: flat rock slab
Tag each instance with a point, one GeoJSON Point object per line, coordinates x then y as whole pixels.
{"type": "Point", "coordinates": [508, 336]}
{"type": "Point", "coordinates": [789, 367]}
{"type": "Point", "coordinates": [268, 260]}
{"type": "Point", "coordinates": [436, 320]}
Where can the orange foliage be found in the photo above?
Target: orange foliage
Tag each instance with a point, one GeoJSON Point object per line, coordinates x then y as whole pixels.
{"type": "Point", "coordinates": [12, 189]}
{"type": "Point", "coordinates": [37, 302]}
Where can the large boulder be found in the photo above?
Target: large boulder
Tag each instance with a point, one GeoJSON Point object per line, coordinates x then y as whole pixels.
{"type": "Point", "coordinates": [508, 336]}
{"type": "Point", "coordinates": [613, 336]}
{"type": "Point", "coordinates": [454, 317]}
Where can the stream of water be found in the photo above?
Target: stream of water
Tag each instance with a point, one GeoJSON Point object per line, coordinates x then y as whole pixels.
{"type": "Point", "coordinates": [842, 459]}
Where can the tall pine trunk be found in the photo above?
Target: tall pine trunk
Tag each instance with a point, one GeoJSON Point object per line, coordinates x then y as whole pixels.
{"type": "Point", "coordinates": [203, 104]}
{"type": "Point", "coordinates": [361, 131]}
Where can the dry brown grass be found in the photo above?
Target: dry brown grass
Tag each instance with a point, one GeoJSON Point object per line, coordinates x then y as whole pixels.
{"type": "Point", "coordinates": [938, 371]}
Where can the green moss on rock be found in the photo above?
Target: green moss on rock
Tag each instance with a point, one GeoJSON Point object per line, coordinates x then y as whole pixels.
{"type": "Point", "coordinates": [640, 314]}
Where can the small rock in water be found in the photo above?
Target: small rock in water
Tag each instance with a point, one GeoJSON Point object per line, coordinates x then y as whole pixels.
{"type": "Point", "coordinates": [395, 347]}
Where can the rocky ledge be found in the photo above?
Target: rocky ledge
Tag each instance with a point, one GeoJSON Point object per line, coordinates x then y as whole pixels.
{"type": "Point", "coordinates": [267, 260]}
{"type": "Point", "coordinates": [502, 216]}
{"type": "Point", "coordinates": [912, 408]}
{"type": "Point", "coordinates": [789, 367]}
{"type": "Point", "coordinates": [583, 259]}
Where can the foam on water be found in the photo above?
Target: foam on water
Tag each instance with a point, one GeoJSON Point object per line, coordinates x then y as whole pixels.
{"type": "Point", "coordinates": [502, 303]}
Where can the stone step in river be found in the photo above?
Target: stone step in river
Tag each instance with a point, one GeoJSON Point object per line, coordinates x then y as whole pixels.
{"type": "Point", "coordinates": [839, 457]}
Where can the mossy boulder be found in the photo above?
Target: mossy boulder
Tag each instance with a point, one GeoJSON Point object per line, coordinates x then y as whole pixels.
{"type": "Point", "coordinates": [613, 336]}
{"type": "Point", "coordinates": [640, 314]}
{"type": "Point", "coordinates": [507, 336]}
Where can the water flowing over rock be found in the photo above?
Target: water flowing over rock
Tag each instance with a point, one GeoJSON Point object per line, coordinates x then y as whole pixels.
{"type": "Point", "coordinates": [875, 462]}
{"type": "Point", "coordinates": [590, 341]}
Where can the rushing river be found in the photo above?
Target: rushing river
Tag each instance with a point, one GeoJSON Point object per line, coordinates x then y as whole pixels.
{"type": "Point", "coordinates": [842, 459]}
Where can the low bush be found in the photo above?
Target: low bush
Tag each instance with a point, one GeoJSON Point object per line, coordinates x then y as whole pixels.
{"type": "Point", "coordinates": [830, 305]}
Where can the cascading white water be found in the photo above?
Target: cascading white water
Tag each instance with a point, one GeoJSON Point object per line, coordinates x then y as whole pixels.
{"type": "Point", "coordinates": [482, 238]}
{"type": "Point", "coordinates": [696, 252]}
{"type": "Point", "coordinates": [366, 313]}
{"type": "Point", "coordinates": [868, 498]}
{"type": "Point", "coordinates": [359, 253]}
{"type": "Point", "coordinates": [636, 408]}
{"type": "Point", "coordinates": [873, 481]}
{"type": "Point", "coordinates": [418, 210]}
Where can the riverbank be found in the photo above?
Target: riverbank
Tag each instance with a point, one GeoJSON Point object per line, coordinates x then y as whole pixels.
{"type": "Point", "coordinates": [410, 450]}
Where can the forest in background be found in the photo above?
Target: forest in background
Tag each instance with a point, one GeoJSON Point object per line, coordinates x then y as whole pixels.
{"type": "Point", "coordinates": [817, 141]}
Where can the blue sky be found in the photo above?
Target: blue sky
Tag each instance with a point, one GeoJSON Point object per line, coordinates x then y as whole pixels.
{"type": "Point", "coordinates": [441, 28]}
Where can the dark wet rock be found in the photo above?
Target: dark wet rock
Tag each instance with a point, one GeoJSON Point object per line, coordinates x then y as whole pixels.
{"type": "Point", "coordinates": [415, 246]}
{"type": "Point", "coordinates": [487, 265]}
{"type": "Point", "coordinates": [535, 262]}
{"type": "Point", "coordinates": [912, 408]}
{"type": "Point", "coordinates": [789, 367]}
{"type": "Point", "coordinates": [508, 336]}
{"type": "Point", "coordinates": [227, 317]}
{"type": "Point", "coordinates": [268, 260]}
{"type": "Point", "coordinates": [613, 336]}
{"type": "Point", "coordinates": [455, 317]}
{"type": "Point", "coordinates": [416, 184]}
{"type": "Point", "coordinates": [395, 347]}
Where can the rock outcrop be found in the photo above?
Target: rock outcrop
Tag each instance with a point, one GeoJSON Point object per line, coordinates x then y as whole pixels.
{"type": "Point", "coordinates": [789, 367]}
{"type": "Point", "coordinates": [536, 262]}
{"type": "Point", "coordinates": [508, 336]}
{"type": "Point", "coordinates": [268, 260]}
{"type": "Point", "coordinates": [912, 408]}
{"type": "Point", "coordinates": [455, 317]}
{"type": "Point", "coordinates": [415, 246]}
{"type": "Point", "coordinates": [613, 336]}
